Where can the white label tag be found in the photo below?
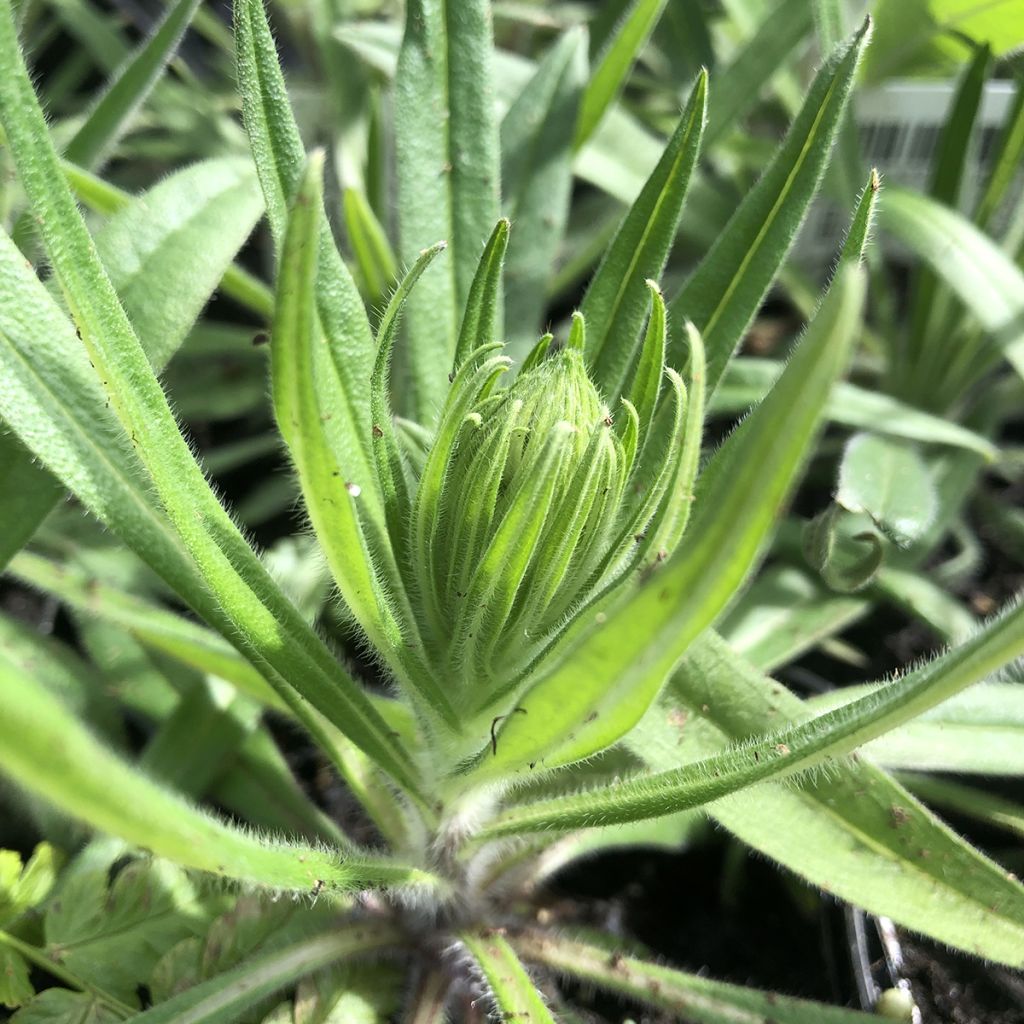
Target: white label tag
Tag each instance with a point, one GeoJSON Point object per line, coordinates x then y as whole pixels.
{"type": "Point", "coordinates": [899, 125]}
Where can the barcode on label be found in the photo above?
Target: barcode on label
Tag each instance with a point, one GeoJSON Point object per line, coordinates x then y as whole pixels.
{"type": "Point", "coordinates": [900, 127]}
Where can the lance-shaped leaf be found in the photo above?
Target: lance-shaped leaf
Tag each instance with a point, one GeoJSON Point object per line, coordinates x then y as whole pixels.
{"type": "Point", "coordinates": [927, 310]}
{"type": "Point", "coordinates": [690, 997]}
{"type": "Point", "coordinates": [268, 626]}
{"type": "Point", "coordinates": [166, 252]}
{"type": "Point", "coordinates": [723, 293]}
{"type": "Point", "coordinates": [225, 997]}
{"type": "Point", "coordinates": [626, 652]}
{"type": "Point", "coordinates": [329, 494]}
{"type": "Point", "coordinates": [376, 264]}
{"type": "Point", "coordinates": [515, 996]}
{"type": "Point", "coordinates": [536, 177]}
{"type": "Point", "coordinates": [391, 469]}
{"type": "Point", "coordinates": [27, 495]}
{"type": "Point", "coordinates": [46, 750]}
{"type": "Point", "coordinates": [342, 365]}
{"type": "Point", "coordinates": [614, 64]}
{"type": "Point", "coordinates": [748, 380]}
{"type": "Point", "coordinates": [481, 316]}
{"type": "Point", "coordinates": [782, 753]}
{"type": "Point", "coordinates": [616, 299]}
{"type": "Point", "coordinates": [852, 830]}
{"type": "Point", "coordinates": [447, 177]}
{"type": "Point", "coordinates": [984, 277]}
{"type": "Point", "coordinates": [128, 88]}
{"type": "Point", "coordinates": [741, 83]}
{"type": "Point", "coordinates": [980, 732]}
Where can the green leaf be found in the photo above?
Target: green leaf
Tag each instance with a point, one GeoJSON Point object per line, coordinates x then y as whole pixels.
{"type": "Point", "coordinates": [843, 549]}
{"type": "Point", "coordinates": [724, 292]}
{"type": "Point", "coordinates": [222, 999]}
{"type": "Point", "coordinates": [980, 732]}
{"type": "Point", "coordinates": [23, 887]}
{"type": "Point", "coordinates": [514, 994]}
{"type": "Point", "coordinates": [209, 724]}
{"type": "Point", "coordinates": [44, 748]}
{"type": "Point", "coordinates": [780, 754]}
{"type": "Point", "coordinates": [376, 264]}
{"type": "Point", "coordinates": [785, 613]}
{"type": "Point", "coordinates": [969, 263]}
{"type": "Point", "coordinates": [969, 800]}
{"type": "Point", "coordinates": [690, 997]}
{"type": "Point", "coordinates": [626, 652]}
{"type": "Point", "coordinates": [15, 986]}
{"type": "Point", "coordinates": [112, 935]}
{"type": "Point", "coordinates": [747, 380]}
{"type": "Point", "coordinates": [343, 366]}
{"type": "Point", "coordinates": [167, 250]}
{"type": "Point", "coordinates": [270, 629]}
{"type": "Point", "coordinates": [739, 86]}
{"type": "Point", "coordinates": [59, 1006]}
{"type": "Point", "coordinates": [110, 115]}
{"type": "Point", "coordinates": [928, 315]}
{"type": "Point", "coordinates": [329, 493]}
{"type": "Point", "coordinates": [27, 495]}
{"type": "Point", "coordinates": [536, 173]}
{"type": "Point", "coordinates": [616, 299]}
{"type": "Point", "coordinates": [480, 318]}
{"type": "Point", "coordinates": [614, 64]}
{"type": "Point", "coordinates": [888, 481]}
{"type": "Point", "coordinates": [852, 831]}
{"type": "Point", "coordinates": [1008, 157]}
{"type": "Point", "coordinates": [448, 170]}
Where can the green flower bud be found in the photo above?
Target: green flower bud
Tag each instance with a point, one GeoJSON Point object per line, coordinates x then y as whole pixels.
{"type": "Point", "coordinates": [532, 500]}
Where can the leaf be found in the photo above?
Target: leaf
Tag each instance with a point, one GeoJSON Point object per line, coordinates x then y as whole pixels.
{"type": "Point", "coordinates": [59, 1006]}
{"type": "Point", "coordinates": [212, 726]}
{"type": "Point", "coordinates": [330, 496]}
{"type": "Point", "coordinates": [167, 250]}
{"type": "Point", "coordinates": [480, 317]}
{"type": "Point", "coordinates": [628, 651]}
{"type": "Point", "coordinates": [616, 299]}
{"type": "Point", "coordinates": [23, 887]}
{"type": "Point", "coordinates": [968, 800]}
{"type": "Point", "coordinates": [747, 380]}
{"type": "Point", "coordinates": [15, 986]}
{"type": "Point", "coordinates": [979, 732]}
{"type": "Point", "coordinates": [690, 997]}
{"type": "Point", "coordinates": [739, 86]}
{"type": "Point", "coordinates": [969, 263]}
{"type": "Point", "coordinates": [128, 88]}
{"type": "Point", "coordinates": [536, 172]}
{"type": "Point", "coordinates": [376, 264]}
{"type": "Point", "coordinates": [514, 994]}
{"type": "Point", "coordinates": [928, 312]}
{"type": "Point", "coordinates": [27, 495]}
{"type": "Point", "coordinates": [448, 170]}
{"type": "Point", "coordinates": [777, 755]}
{"type": "Point", "coordinates": [264, 622]}
{"type": "Point", "coordinates": [614, 64]}
{"type": "Point", "coordinates": [112, 937]}
{"type": "Point", "coordinates": [853, 832]}
{"type": "Point", "coordinates": [785, 613]}
{"type": "Point", "coordinates": [887, 480]}
{"type": "Point", "coordinates": [724, 292]}
{"type": "Point", "coordinates": [44, 748]}
{"type": "Point", "coordinates": [843, 549]}
{"type": "Point", "coordinates": [343, 365]}
{"type": "Point", "coordinates": [222, 999]}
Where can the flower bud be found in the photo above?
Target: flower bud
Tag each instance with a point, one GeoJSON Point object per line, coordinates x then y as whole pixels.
{"type": "Point", "coordinates": [528, 505]}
